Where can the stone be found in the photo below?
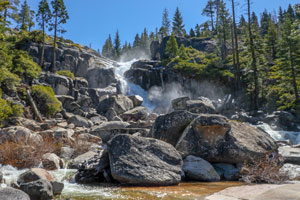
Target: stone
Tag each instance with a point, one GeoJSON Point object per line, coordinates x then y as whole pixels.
{"type": "Point", "coordinates": [1, 177]}
{"type": "Point", "coordinates": [119, 103]}
{"type": "Point", "coordinates": [34, 174]}
{"type": "Point", "coordinates": [38, 190]}
{"type": "Point", "coordinates": [200, 106]}
{"type": "Point", "coordinates": [66, 152]}
{"type": "Point", "coordinates": [180, 103]}
{"type": "Point", "coordinates": [197, 169]}
{"type": "Point", "coordinates": [169, 127]}
{"type": "Point", "coordinates": [61, 84]}
{"type": "Point", "coordinates": [13, 194]}
{"type": "Point", "coordinates": [138, 113]}
{"type": "Point", "coordinates": [97, 120]}
{"type": "Point", "coordinates": [19, 134]}
{"type": "Point", "coordinates": [57, 187]}
{"type": "Point", "coordinates": [75, 163]}
{"type": "Point", "coordinates": [218, 140]}
{"type": "Point", "coordinates": [79, 121]}
{"type": "Point", "coordinates": [144, 161]}
{"type": "Point", "coordinates": [290, 155]}
{"type": "Point", "coordinates": [51, 161]}
{"type": "Point", "coordinates": [137, 100]}
{"type": "Point", "coordinates": [227, 171]}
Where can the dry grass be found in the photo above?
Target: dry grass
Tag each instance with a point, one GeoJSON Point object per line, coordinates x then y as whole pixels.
{"type": "Point", "coordinates": [265, 170]}
{"type": "Point", "coordinates": [26, 155]}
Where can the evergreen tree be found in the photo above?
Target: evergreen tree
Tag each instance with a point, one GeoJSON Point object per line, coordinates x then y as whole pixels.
{"type": "Point", "coordinates": [162, 32]}
{"type": "Point", "coordinates": [117, 46]}
{"type": "Point", "coordinates": [264, 23]}
{"type": "Point", "coordinates": [205, 32]}
{"type": "Point", "coordinates": [281, 15]}
{"type": "Point", "coordinates": [166, 24]}
{"type": "Point", "coordinates": [209, 11]}
{"type": "Point", "coordinates": [59, 17]}
{"type": "Point", "coordinates": [291, 13]}
{"type": "Point", "coordinates": [24, 16]}
{"type": "Point", "coordinates": [271, 40]}
{"type": "Point", "coordinates": [10, 11]}
{"type": "Point", "coordinates": [144, 39]}
{"type": "Point", "coordinates": [31, 20]}
{"type": "Point", "coordinates": [107, 49]}
{"type": "Point", "coordinates": [152, 36]}
{"type": "Point", "coordinates": [43, 18]}
{"type": "Point", "coordinates": [137, 41]}
{"type": "Point", "coordinates": [192, 33]}
{"type": "Point", "coordinates": [197, 30]}
{"type": "Point", "coordinates": [182, 53]}
{"type": "Point", "coordinates": [178, 26]}
{"type": "Point", "coordinates": [243, 27]}
{"type": "Point", "coordinates": [172, 47]}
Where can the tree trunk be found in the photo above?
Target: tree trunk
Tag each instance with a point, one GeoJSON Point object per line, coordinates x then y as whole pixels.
{"type": "Point", "coordinates": [53, 69]}
{"type": "Point", "coordinates": [33, 107]}
{"type": "Point", "coordinates": [294, 75]}
{"type": "Point", "coordinates": [43, 47]}
{"type": "Point", "coordinates": [238, 68]}
{"type": "Point", "coordinates": [5, 17]}
{"type": "Point", "coordinates": [212, 19]}
{"type": "Point", "coordinates": [254, 67]}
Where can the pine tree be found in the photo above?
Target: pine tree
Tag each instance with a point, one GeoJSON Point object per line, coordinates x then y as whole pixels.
{"type": "Point", "coordinates": [205, 32]}
{"type": "Point", "coordinates": [178, 26]}
{"type": "Point", "coordinates": [264, 23]}
{"type": "Point", "coordinates": [107, 49]}
{"type": "Point", "coordinates": [137, 41]}
{"type": "Point", "coordinates": [162, 32]}
{"type": "Point", "coordinates": [31, 20]}
{"type": "Point", "coordinates": [192, 33]}
{"type": "Point", "coordinates": [43, 18]}
{"type": "Point", "coordinates": [243, 27]}
{"type": "Point", "coordinates": [144, 39]}
{"type": "Point", "coordinates": [291, 13]}
{"type": "Point", "coordinates": [59, 17]}
{"type": "Point", "coordinates": [11, 11]}
{"type": "Point", "coordinates": [166, 24]}
{"type": "Point", "coordinates": [271, 40]}
{"type": "Point", "coordinates": [197, 30]}
{"type": "Point", "coordinates": [24, 16]}
{"type": "Point", "coordinates": [209, 11]}
{"type": "Point", "coordinates": [117, 46]}
{"type": "Point", "coordinates": [171, 47]}
{"type": "Point", "coordinates": [182, 53]}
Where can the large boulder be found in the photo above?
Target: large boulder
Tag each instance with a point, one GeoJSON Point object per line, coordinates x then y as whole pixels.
{"type": "Point", "coordinates": [290, 155]}
{"type": "Point", "coordinates": [169, 127]}
{"type": "Point", "coordinates": [61, 85]}
{"type": "Point", "coordinates": [197, 169]}
{"type": "Point", "coordinates": [19, 134]}
{"type": "Point", "coordinates": [200, 106]}
{"type": "Point", "coordinates": [216, 139]}
{"type": "Point", "coordinates": [119, 103]}
{"type": "Point", "coordinates": [75, 163]}
{"type": "Point", "coordinates": [137, 100]}
{"type": "Point", "coordinates": [38, 190]}
{"type": "Point", "coordinates": [143, 161]}
{"type": "Point", "coordinates": [13, 194]}
{"type": "Point", "coordinates": [51, 161]}
{"type": "Point", "coordinates": [138, 113]}
{"type": "Point", "coordinates": [80, 121]}
{"type": "Point", "coordinates": [34, 174]}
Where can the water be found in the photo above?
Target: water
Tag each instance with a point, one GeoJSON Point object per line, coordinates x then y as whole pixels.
{"type": "Point", "coordinates": [293, 137]}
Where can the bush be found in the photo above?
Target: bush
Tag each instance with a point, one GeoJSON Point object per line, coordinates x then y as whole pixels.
{"type": "Point", "coordinates": [8, 80]}
{"type": "Point", "coordinates": [46, 101]}
{"type": "Point", "coordinates": [66, 73]}
{"type": "Point", "coordinates": [8, 110]}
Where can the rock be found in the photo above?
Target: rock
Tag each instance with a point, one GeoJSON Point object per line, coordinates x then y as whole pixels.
{"type": "Point", "coordinates": [143, 161]}
{"type": "Point", "coordinates": [228, 171]}
{"type": "Point", "coordinates": [1, 177]}
{"type": "Point", "coordinates": [34, 174]}
{"type": "Point", "coordinates": [137, 100]}
{"type": "Point", "coordinates": [66, 152]}
{"type": "Point", "coordinates": [93, 170]}
{"type": "Point", "coordinates": [80, 121]}
{"type": "Point", "coordinates": [80, 82]}
{"type": "Point", "coordinates": [111, 115]}
{"type": "Point", "coordinates": [57, 187]}
{"type": "Point", "coordinates": [282, 120]}
{"type": "Point", "coordinates": [291, 171]}
{"type": "Point", "coordinates": [138, 113]}
{"type": "Point", "coordinates": [216, 139]}
{"type": "Point", "coordinates": [197, 169]}
{"type": "Point", "coordinates": [51, 161]}
{"type": "Point", "coordinates": [61, 84]}
{"type": "Point", "coordinates": [19, 134]}
{"type": "Point", "coordinates": [180, 103]}
{"type": "Point", "coordinates": [119, 103]}
{"type": "Point", "coordinates": [75, 163]}
{"type": "Point", "coordinates": [13, 194]}
{"type": "Point", "coordinates": [290, 155]}
{"type": "Point", "coordinates": [38, 190]}
{"type": "Point", "coordinates": [201, 106]}
{"type": "Point", "coordinates": [97, 120]}
{"type": "Point", "coordinates": [169, 127]}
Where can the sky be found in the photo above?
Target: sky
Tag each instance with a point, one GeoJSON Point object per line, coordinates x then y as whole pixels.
{"type": "Point", "coordinates": [91, 21]}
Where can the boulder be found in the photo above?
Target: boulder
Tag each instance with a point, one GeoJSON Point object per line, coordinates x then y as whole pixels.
{"type": "Point", "coordinates": [290, 155]}
{"type": "Point", "coordinates": [51, 161]}
{"type": "Point", "coordinates": [180, 103]}
{"type": "Point", "coordinates": [197, 169]}
{"type": "Point", "coordinates": [57, 187]}
{"type": "Point", "coordinates": [201, 106]}
{"type": "Point", "coordinates": [80, 82]}
{"type": "Point", "coordinates": [137, 100]}
{"type": "Point", "coordinates": [66, 152]}
{"type": "Point", "coordinates": [216, 139]}
{"type": "Point", "coordinates": [97, 120]}
{"type": "Point", "coordinates": [19, 134]}
{"type": "Point", "coordinates": [169, 127]}
{"type": "Point", "coordinates": [75, 163]}
{"type": "Point", "coordinates": [80, 121]}
{"type": "Point", "coordinates": [13, 194]}
{"type": "Point", "coordinates": [138, 113]}
{"type": "Point", "coordinates": [119, 103]}
{"type": "Point", "coordinates": [61, 84]}
{"type": "Point", "coordinates": [1, 177]}
{"type": "Point", "coordinates": [227, 171]}
{"type": "Point", "coordinates": [34, 174]}
{"type": "Point", "coordinates": [38, 190]}
{"type": "Point", "coordinates": [143, 161]}
{"type": "Point", "coordinates": [94, 170]}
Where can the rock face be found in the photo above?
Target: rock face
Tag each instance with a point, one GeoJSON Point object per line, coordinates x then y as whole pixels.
{"type": "Point", "coordinates": [13, 194]}
{"type": "Point", "coordinates": [38, 190]}
{"type": "Point", "coordinates": [215, 139]}
{"type": "Point", "coordinates": [169, 127]}
{"type": "Point", "coordinates": [200, 170]}
{"type": "Point", "coordinates": [142, 161]}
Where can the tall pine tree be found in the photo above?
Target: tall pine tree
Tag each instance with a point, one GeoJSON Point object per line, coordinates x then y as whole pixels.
{"type": "Point", "coordinates": [178, 26]}
{"type": "Point", "coordinates": [166, 24]}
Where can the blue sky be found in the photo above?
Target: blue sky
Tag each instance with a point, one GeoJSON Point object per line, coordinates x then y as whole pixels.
{"type": "Point", "coordinates": [92, 20]}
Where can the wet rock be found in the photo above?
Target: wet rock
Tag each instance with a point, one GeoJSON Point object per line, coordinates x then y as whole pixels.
{"type": "Point", "coordinates": [196, 168]}
{"type": "Point", "coordinates": [13, 194]}
{"type": "Point", "coordinates": [143, 161]}
{"type": "Point", "coordinates": [282, 120]}
{"type": "Point", "coordinates": [138, 113]}
{"type": "Point", "coordinates": [180, 103]}
{"type": "Point", "coordinates": [75, 163]}
{"type": "Point", "coordinates": [216, 139]}
{"type": "Point", "coordinates": [34, 175]}
{"type": "Point", "coordinates": [169, 127]}
{"type": "Point", "coordinates": [227, 171]}
{"type": "Point", "coordinates": [38, 190]}
{"type": "Point", "coordinates": [51, 161]}
{"type": "Point", "coordinates": [1, 177]}
{"type": "Point", "coordinates": [200, 106]}
{"type": "Point", "coordinates": [66, 152]}
{"type": "Point", "coordinates": [119, 103]}
{"type": "Point", "coordinates": [290, 155]}
{"type": "Point", "coordinates": [57, 187]}
{"type": "Point", "coordinates": [80, 121]}
{"type": "Point", "coordinates": [137, 100]}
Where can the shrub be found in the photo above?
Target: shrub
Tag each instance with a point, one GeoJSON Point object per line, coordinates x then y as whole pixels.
{"type": "Point", "coordinates": [66, 73]}
{"type": "Point", "coordinates": [24, 66]}
{"type": "Point", "coordinates": [46, 101]}
{"type": "Point", "coordinates": [8, 80]}
{"type": "Point", "coordinates": [8, 110]}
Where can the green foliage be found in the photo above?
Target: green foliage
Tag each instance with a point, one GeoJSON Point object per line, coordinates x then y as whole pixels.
{"type": "Point", "coordinates": [182, 53]}
{"type": "Point", "coordinates": [66, 73]}
{"type": "Point", "coordinates": [8, 80]}
{"type": "Point", "coordinates": [46, 101]}
{"type": "Point", "coordinates": [172, 47]}
{"type": "Point", "coordinates": [9, 110]}
{"type": "Point", "coordinates": [178, 26]}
